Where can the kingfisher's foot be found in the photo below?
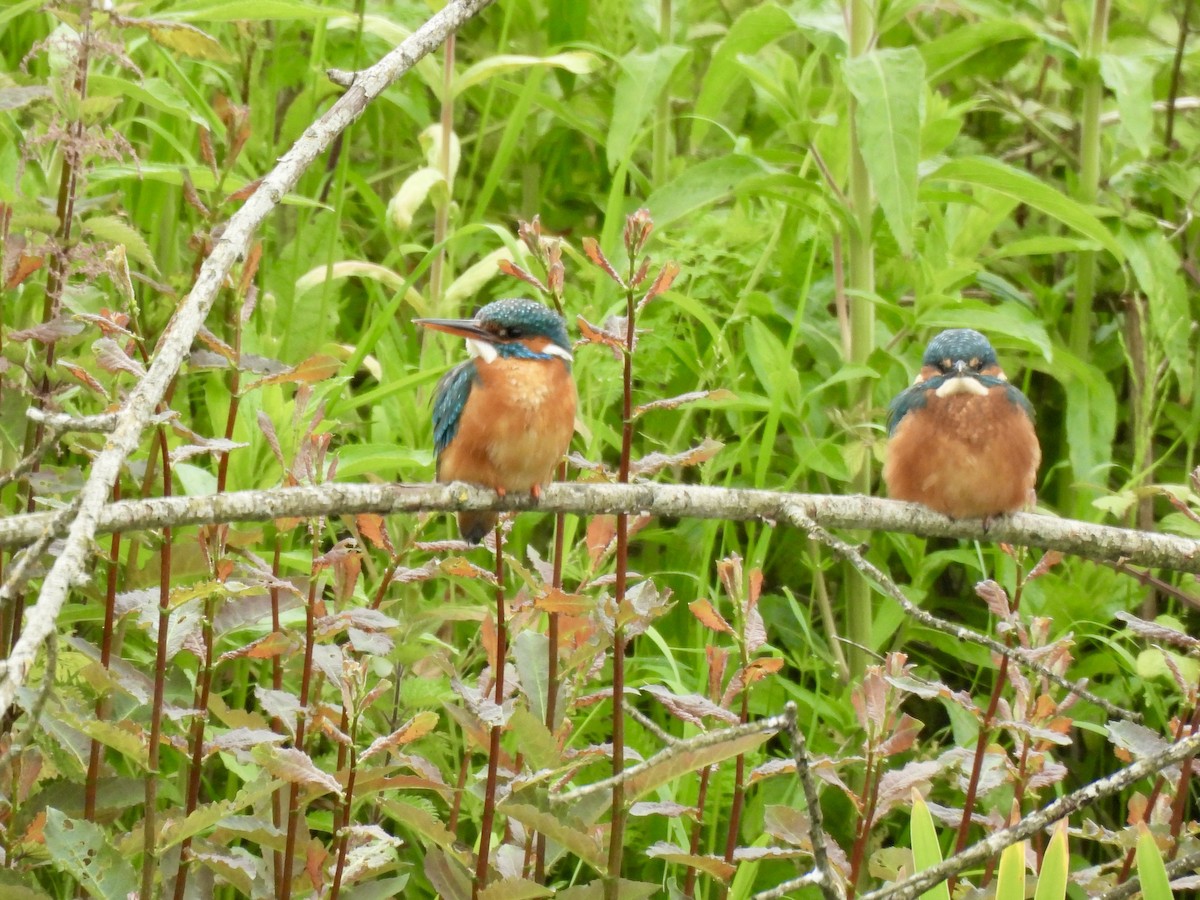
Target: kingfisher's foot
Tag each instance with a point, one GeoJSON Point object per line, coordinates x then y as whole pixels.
{"type": "Point", "coordinates": [536, 492]}
{"type": "Point", "coordinates": [501, 492]}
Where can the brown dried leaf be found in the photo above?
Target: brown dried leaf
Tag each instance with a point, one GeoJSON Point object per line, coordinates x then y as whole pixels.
{"type": "Point", "coordinates": [268, 646]}
{"type": "Point", "coordinates": [217, 345]}
{"type": "Point", "coordinates": [709, 617]}
{"type": "Point", "coordinates": [192, 198]}
{"type": "Point", "coordinates": [24, 267]}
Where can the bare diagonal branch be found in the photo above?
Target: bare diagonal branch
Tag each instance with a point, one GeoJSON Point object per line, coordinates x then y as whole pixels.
{"type": "Point", "coordinates": [177, 339]}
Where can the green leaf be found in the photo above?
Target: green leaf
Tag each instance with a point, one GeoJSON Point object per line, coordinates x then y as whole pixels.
{"type": "Point", "coordinates": [81, 850]}
{"type": "Point", "coordinates": [1131, 79]}
{"type": "Point", "coordinates": [1052, 879]}
{"type": "Point", "coordinates": [533, 668]}
{"type": "Point", "coordinates": [384, 460]}
{"type": "Point", "coordinates": [1091, 419]}
{"type": "Point", "coordinates": [659, 773]}
{"type": "Point", "coordinates": [1152, 873]}
{"type": "Point", "coordinates": [155, 93]}
{"type": "Point", "coordinates": [1157, 268]}
{"type": "Point", "coordinates": [251, 11]}
{"type": "Point", "coordinates": [702, 184]}
{"type": "Point", "coordinates": [754, 29]}
{"type": "Point", "coordinates": [987, 49]}
{"type": "Point", "coordinates": [643, 77]}
{"type": "Point", "coordinates": [1010, 885]}
{"type": "Point", "coordinates": [556, 828]}
{"type": "Point", "coordinates": [118, 231]}
{"type": "Point", "coordinates": [889, 86]}
{"type": "Point", "coordinates": [1024, 188]}
{"type": "Point", "coordinates": [1015, 321]}
{"type": "Point", "coordinates": [927, 853]}
{"type": "Point", "coordinates": [576, 62]}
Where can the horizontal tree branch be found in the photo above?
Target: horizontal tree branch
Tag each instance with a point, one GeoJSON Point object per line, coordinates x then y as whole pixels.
{"type": "Point", "coordinates": [1096, 542]}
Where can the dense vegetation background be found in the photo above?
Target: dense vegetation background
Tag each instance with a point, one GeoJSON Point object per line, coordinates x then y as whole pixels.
{"type": "Point", "coordinates": [836, 183]}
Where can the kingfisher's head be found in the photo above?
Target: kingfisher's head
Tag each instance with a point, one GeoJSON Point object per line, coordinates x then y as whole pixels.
{"type": "Point", "coordinates": [510, 328]}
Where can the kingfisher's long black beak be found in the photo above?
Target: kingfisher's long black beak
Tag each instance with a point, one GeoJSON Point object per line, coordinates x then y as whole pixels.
{"type": "Point", "coordinates": [463, 328]}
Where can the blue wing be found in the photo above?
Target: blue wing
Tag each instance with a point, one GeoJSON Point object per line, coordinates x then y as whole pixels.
{"type": "Point", "coordinates": [449, 398]}
{"type": "Point", "coordinates": [917, 396]}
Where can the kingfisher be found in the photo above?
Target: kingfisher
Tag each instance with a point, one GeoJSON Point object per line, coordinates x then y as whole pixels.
{"type": "Point", "coordinates": [961, 438]}
{"type": "Point", "coordinates": [504, 418]}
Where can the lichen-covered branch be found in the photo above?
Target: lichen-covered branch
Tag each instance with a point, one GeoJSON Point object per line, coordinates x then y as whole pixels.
{"type": "Point", "coordinates": [70, 563]}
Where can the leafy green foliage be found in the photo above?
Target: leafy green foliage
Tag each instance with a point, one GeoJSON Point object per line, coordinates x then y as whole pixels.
{"type": "Point", "coordinates": [728, 122]}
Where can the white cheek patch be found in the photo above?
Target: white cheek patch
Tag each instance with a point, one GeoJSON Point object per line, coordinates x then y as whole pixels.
{"type": "Point", "coordinates": [482, 350]}
{"type": "Point", "coordinates": [965, 385]}
{"type": "Point", "coordinates": [560, 352]}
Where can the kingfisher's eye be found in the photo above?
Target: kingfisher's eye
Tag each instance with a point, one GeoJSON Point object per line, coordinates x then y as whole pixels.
{"type": "Point", "coordinates": [975, 363]}
{"type": "Point", "coordinates": [946, 364]}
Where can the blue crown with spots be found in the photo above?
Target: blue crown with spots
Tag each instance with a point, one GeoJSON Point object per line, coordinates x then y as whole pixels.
{"type": "Point", "coordinates": [517, 318]}
{"type": "Point", "coordinates": [959, 344]}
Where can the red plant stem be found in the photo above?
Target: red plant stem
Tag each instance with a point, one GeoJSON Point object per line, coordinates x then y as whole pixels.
{"type": "Point", "coordinates": [203, 687]}
{"type": "Point", "coordinates": [1182, 789]}
{"type": "Point", "coordinates": [341, 814]}
{"type": "Point", "coordinates": [739, 790]}
{"type": "Point", "coordinates": [459, 787]}
{"type": "Point", "coordinates": [689, 883]}
{"type": "Point", "coordinates": [276, 684]}
{"type": "Point", "coordinates": [160, 679]}
{"type": "Point", "coordinates": [310, 616]}
{"type": "Point", "coordinates": [616, 839]}
{"type": "Point", "coordinates": [489, 797]}
{"type": "Point", "coordinates": [552, 640]}
{"type": "Point", "coordinates": [106, 642]}
{"type": "Point", "coordinates": [862, 834]}
{"type": "Point", "coordinates": [344, 838]}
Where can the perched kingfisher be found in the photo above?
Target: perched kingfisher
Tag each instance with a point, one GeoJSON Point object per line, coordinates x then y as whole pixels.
{"type": "Point", "coordinates": [504, 418]}
{"type": "Point", "coordinates": [961, 438]}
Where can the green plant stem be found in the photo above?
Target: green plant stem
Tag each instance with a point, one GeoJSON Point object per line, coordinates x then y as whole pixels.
{"type": "Point", "coordinates": [489, 796]}
{"type": "Point", "coordinates": [1089, 177]}
{"type": "Point", "coordinates": [861, 282]}
{"type": "Point", "coordinates": [441, 223]}
{"type": "Point", "coordinates": [662, 120]}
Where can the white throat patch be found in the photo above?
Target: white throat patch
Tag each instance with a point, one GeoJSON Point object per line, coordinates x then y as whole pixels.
{"type": "Point", "coordinates": [963, 385]}
{"type": "Point", "coordinates": [482, 350]}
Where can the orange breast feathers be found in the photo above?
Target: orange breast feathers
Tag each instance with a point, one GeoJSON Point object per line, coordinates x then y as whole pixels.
{"type": "Point", "coordinates": [516, 425]}
{"type": "Point", "coordinates": [965, 455]}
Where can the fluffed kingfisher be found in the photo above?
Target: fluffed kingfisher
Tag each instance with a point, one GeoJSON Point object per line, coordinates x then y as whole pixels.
{"type": "Point", "coordinates": [504, 418]}
{"type": "Point", "coordinates": [961, 438]}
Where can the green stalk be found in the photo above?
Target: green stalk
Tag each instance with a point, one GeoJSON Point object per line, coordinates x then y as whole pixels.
{"type": "Point", "coordinates": [1089, 175]}
{"type": "Point", "coordinates": [441, 224]}
{"type": "Point", "coordinates": [861, 281]}
{"type": "Point", "coordinates": [662, 118]}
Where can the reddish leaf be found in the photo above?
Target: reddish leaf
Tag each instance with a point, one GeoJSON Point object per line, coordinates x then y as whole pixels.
{"type": "Point", "coordinates": [416, 727]}
{"type": "Point", "coordinates": [25, 267]}
{"type": "Point", "coordinates": [662, 283]}
{"type": "Point", "coordinates": [374, 528]}
{"type": "Point", "coordinates": [638, 225]}
{"type": "Point", "coordinates": [48, 332]}
{"type": "Point", "coordinates": [995, 597]}
{"type": "Point", "coordinates": [313, 370]}
{"type": "Point", "coordinates": [1163, 634]}
{"type": "Point", "coordinates": [655, 462]}
{"type": "Point", "coordinates": [903, 736]}
{"type": "Point", "coordinates": [594, 334]}
{"type": "Point", "coordinates": [690, 397]}
{"type": "Point", "coordinates": [84, 376]}
{"type": "Point", "coordinates": [596, 255]}
{"type": "Point", "coordinates": [295, 767]}
{"type": "Point", "coordinates": [664, 808]}
{"type": "Point", "coordinates": [249, 270]}
{"type": "Point", "coordinates": [217, 345]}
{"type": "Point", "coordinates": [267, 647]}
{"type": "Point", "coordinates": [268, 429]}
{"type": "Point", "coordinates": [709, 617]}
{"type": "Point", "coordinates": [1049, 560]}
{"type": "Point", "coordinates": [691, 708]}
{"type": "Point", "coordinates": [511, 268]}
{"type": "Point", "coordinates": [555, 601]}
{"type": "Point", "coordinates": [112, 358]}
{"type": "Point", "coordinates": [600, 533]}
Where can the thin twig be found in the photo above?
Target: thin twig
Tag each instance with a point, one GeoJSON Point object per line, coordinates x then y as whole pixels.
{"type": "Point", "coordinates": [825, 877]}
{"type": "Point", "coordinates": [798, 518]}
{"type": "Point", "coordinates": [1177, 867]}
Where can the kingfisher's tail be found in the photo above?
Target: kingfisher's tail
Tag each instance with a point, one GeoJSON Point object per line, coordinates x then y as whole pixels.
{"type": "Point", "coordinates": [474, 526]}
